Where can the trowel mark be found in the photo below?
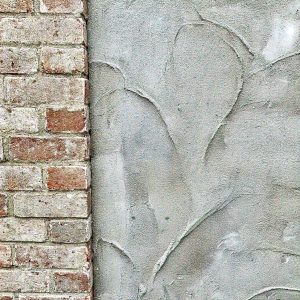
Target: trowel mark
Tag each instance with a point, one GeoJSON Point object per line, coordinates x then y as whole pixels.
{"type": "Point", "coordinates": [142, 94]}
{"type": "Point", "coordinates": [229, 30]}
{"type": "Point", "coordinates": [119, 248]}
{"type": "Point", "coordinates": [271, 64]}
{"type": "Point", "coordinates": [240, 82]}
{"type": "Point", "coordinates": [223, 122]}
{"type": "Point", "coordinates": [138, 92]}
{"type": "Point", "coordinates": [189, 229]}
{"type": "Point", "coordinates": [269, 289]}
{"type": "Point", "coordinates": [277, 250]}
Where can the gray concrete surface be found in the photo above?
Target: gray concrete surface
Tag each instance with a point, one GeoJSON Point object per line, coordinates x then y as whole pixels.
{"type": "Point", "coordinates": [195, 109]}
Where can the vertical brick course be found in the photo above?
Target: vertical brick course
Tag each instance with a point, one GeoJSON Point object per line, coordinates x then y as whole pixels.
{"type": "Point", "coordinates": [45, 204]}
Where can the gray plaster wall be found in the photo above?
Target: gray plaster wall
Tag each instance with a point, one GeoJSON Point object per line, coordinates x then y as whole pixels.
{"type": "Point", "coordinates": [195, 109]}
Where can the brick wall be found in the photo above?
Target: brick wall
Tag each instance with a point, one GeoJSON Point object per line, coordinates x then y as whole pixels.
{"type": "Point", "coordinates": [44, 151]}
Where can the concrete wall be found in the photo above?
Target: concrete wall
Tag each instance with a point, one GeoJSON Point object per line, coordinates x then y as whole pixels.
{"type": "Point", "coordinates": [196, 162]}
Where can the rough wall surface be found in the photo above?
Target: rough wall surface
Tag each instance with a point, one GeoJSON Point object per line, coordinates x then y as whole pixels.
{"type": "Point", "coordinates": [196, 162]}
{"type": "Point", "coordinates": [44, 153]}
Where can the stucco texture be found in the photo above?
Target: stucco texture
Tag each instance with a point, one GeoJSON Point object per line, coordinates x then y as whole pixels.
{"type": "Point", "coordinates": [196, 162]}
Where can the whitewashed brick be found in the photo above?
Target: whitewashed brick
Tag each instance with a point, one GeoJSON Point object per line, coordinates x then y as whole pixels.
{"type": "Point", "coordinates": [19, 120]}
{"type": "Point", "coordinates": [22, 230]}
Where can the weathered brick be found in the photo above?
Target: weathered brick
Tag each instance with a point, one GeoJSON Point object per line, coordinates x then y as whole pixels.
{"type": "Point", "coordinates": [1, 149]}
{"type": "Point", "coordinates": [18, 178]}
{"type": "Point", "coordinates": [64, 205]}
{"type": "Point", "coordinates": [22, 230]}
{"type": "Point", "coordinates": [63, 60]}
{"type": "Point", "coordinates": [70, 231]}
{"type": "Point", "coordinates": [66, 120]}
{"type": "Point", "coordinates": [62, 6]}
{"type": "Point", "coordinates": [3, 205]}
{"type": "Point", "coordinates": [36, 30]}
{"type": "Point", "coordinates": [72, 282]}
{"type": "Point", "coordinates": [35, 45]}
{"type": "Point", "coordinates": [30, 90]}
{"type": "Point", "coordinates": [68, 178]}
{"type": "Point", "coordinates": [6, 297]}
{"type": "Point", "coordinates": [15, 60]}
{"type": "Point", "coordinates": [19, 120]}
{"type": "Point", "coordinates": [53, 297]}
{"type": "Point", "coordinates": [48, 148]}
{"type": "Point", "coordinates": [24, 281]}
{"type": "Point", "coordinates": [59, 257]}
{"type": "Point", "coordinates": [5, 256]}
{"type": "Point", "coordinates": [16, 6]}
{"type": "Point", "coordinates": [2, 88]}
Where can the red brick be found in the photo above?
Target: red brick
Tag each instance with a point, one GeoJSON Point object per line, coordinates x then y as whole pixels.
{"type": "Point", "coordinates": [66, 120]}
{"type": "Point", "coordinates": [31, 90]}
{"type": "Point", "coordinates": [20, 178]}
{"type": "Point", "coordinates": [60, 257]}
{"type": "Point", "coordinates": [48, 149]}
{"type": "Point", "coordinates": [5, 256]}
{"type": "Point", "coordinates": [58, 205]}
{"type": "Point", "coordinates": [36, 30]}
{"type": "Point", "coordinates": [68, 178]}
{"type": "Point", "coordinates": [15, 60]}
{"type": "Point", "coordinates": [3, 205]}
{"type": "Point", "coordinates": [70, 231]}
{"type": "Point", "coordinates": [62, 6]}
{"type": "Point", "coordinates": [22, 230]}
{"type": "Point", "coordinates": [72, 282]}
{"type": "Point", "coordinates": [16, 6]}
{"type": "Point", "coordinates": [6, 297]}
{"type": "Point", "coordinates": [64, 60]}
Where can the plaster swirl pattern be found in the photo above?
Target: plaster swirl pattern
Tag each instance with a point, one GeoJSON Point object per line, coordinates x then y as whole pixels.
{"type": "Point", "coordinates": [195, 136]}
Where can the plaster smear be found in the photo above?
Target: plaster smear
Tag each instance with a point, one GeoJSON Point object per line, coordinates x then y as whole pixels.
{"type": "Point", "coordinates": [195, 110]}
